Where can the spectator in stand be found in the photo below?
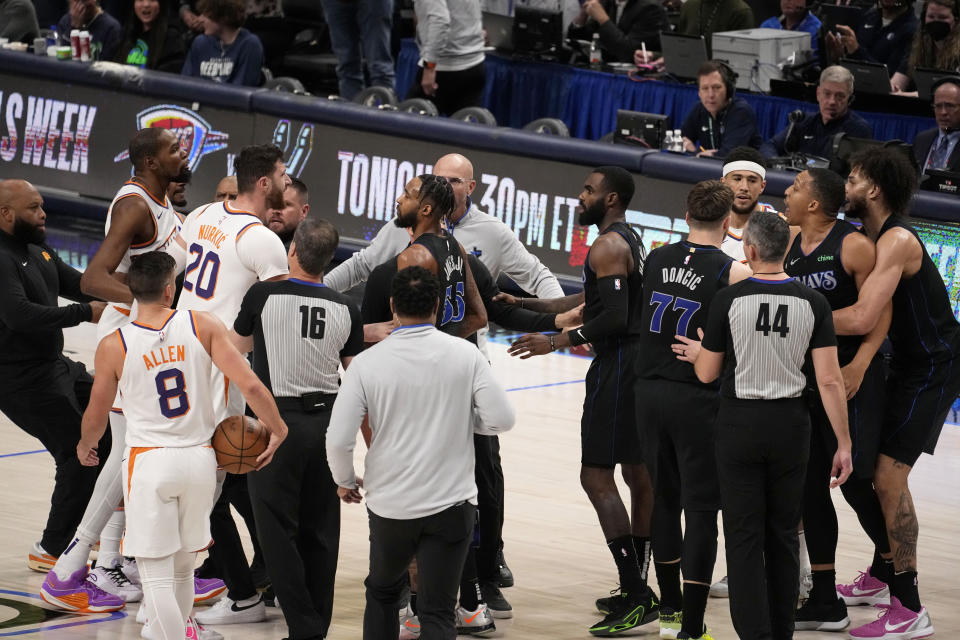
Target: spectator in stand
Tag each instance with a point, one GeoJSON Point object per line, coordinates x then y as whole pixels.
{"type": "Point", "coordinates": [149, 40]}
{"type": "Point", "coordinates": [18, 21]}
{"type": "Point", "coordinates": [624, 27]}
{"type": "Point", "coordinates": [706, 17]}
{"type": "Point", "coordinates": [720, 121]}
{"type": "Point", "coordinates": [452, 69]}
{"type": "Point", "coordinates": [796, 17]}
{"type": "Point", "coordinates": [884, 36]}
{"type": "Point", "coordinates": [935, 46]}
{"type": "Point", "coordinates": [226, 52]}
{"type": "Point", "coordinates": [86, 15]}
{"type": "Point", "coordinates": [937, 148]}
{"type": "Point", "coordinates": [814, 134]}
{"type": "Point", "coordinates": [360, 35]}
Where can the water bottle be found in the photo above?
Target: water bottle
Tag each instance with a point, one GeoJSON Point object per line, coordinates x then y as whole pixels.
{"type": "Point", "coordinates": [677, 141]}
{"type": "Point", "coordinates": [53, 41]}
{"type": "Point", "coordinates": [595, 51]}
{"type": "Point", "coordinates": [668, 140]}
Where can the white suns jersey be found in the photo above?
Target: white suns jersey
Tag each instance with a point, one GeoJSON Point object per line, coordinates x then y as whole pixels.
{"type": "Point", "coordinates": [732, 244]}
{"type": "Point", "coordinates": [228, 250]}
{"type": "Point", "coordinates": [166, 384]}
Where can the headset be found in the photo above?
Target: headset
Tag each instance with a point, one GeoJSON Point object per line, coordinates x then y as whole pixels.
{"type": "Point", "coordinates": [729, 77]}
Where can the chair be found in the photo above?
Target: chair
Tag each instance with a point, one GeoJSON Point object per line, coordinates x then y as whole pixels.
{"type": "Point", "coordinates": [287, 84]}
{"type": "Point", "coordinates": [377, 97]}
{"type": "Point", "coordinates": [418, 106]}
{"type": "Point", "coordinates": [475, 115]}
{"type": "Point", "coordinates": [548, 126]}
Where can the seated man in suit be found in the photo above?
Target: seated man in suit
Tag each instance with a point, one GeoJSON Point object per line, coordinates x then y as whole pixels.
{"type": "Point", "coordinates": [624, 27]}
{"type": "Point", "coordinates": [814, 134]}
{"type": "Point", "coordinates": [937, 148]}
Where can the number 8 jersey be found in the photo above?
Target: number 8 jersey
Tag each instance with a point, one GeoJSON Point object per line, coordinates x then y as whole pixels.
{"type": "Point", "coordinates": [166, 384]}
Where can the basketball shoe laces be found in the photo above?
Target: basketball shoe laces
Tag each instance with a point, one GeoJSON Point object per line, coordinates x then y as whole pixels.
{"type": "Point", "coordinates": [117, 576]}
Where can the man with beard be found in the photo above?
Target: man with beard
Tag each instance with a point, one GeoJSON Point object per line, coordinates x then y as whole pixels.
{"type": "Point", "coordinates": [924, 379]}
{"type": "Point", "coordinates": [610, 431]}
{"type": "Point", "coordinates": [744, 171]}
{"type": "Point", "coordinates": [44, 392]}
{"type": "Point", "coordinates": [140, 219]}
{"type": "Point", "coordinates": [296, 206]}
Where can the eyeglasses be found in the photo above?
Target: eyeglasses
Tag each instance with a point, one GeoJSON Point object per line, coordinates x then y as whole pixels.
{"type": "Point", "coordinates": [454, 180]}
{"type": "Point", "coordinates": [946, 106]}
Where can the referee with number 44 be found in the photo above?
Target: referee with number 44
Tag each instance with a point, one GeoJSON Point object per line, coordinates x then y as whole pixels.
{"type": "Point", "coordinates": [759, 335]}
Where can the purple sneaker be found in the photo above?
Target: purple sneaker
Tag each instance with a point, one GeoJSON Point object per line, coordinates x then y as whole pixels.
{"type": "Point", "coordinates": [865, 590]}
{"type": "Point", "coordinates": [896, 622]}
{"type": "Point", "coordinates": [205, 589]}
{"type": "Point", "coordinates": [78, 594]}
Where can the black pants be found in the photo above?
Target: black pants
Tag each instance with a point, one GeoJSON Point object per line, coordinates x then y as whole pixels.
{"type": "Point", "coordinates": [298, 519]}
{"type": "Point", "coordinates": [227, 554]}
{"type": "Point", "coordinates": [762, 449]}
{"type": "Point", "coordinates": [455, 89]}
{"type": "Point", "coordinates": [490, 488]}
{"type": "Point", "coordinates": [49, 407]}
{"type": "Point", "coordinates": [439, 542]}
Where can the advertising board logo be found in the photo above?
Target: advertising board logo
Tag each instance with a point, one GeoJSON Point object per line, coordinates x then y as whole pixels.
{"type": "Point", "coordinates": [195, 133]}
{"type": "Point", "coordinates": [299, 154]}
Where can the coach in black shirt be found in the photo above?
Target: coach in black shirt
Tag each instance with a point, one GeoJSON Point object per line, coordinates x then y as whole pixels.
{"type": "Point", "coordinates": [44, 393]}
{"type": "Point", "coordinates": [720, 121]}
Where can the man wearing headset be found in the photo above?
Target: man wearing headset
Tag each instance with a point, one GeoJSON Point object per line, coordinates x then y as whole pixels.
{"type": "Point", "coordinates": [813, 135]}
{"type": "Point", "coordinates": [720, 121]}
{"type": "Point", "coordinates": [937, 148]}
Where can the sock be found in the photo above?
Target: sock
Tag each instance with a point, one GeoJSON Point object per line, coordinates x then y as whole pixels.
{"type": "Point", "coordinates": [668, 577]}
{"type": "Point", "coordinates": [824, 586]}
{"type": "Point", "coordinates": [804, 556]}
{"type": "Point", "coordinates": [628, 568]}
{"type": "Point", "coordinates": [881, 568]}
{"type": "Point", "coordinates": [413, 602]}
{"type": "Point", "coordinates": [249, 601]}
{"type": "Point", "coordinates": [470, 595]}
{"type": "Point", "coordinates": [109, 554]}
{"type": "Point", "coordinates": [641, 544]}
{"type": "Point", "coordinates": [159, 588]}
{"type": "Point", "coordinates": [73, 558]}
{"type": "Point", "coordinates": [694, 606]}
{"type": "Point", "coordinates": [183, 585]}
{"type": "Point", "coordinates": [904, 588]}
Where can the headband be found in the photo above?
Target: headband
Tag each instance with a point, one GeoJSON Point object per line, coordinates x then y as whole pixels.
{"type": "Point", "coordinates": [744, 165]}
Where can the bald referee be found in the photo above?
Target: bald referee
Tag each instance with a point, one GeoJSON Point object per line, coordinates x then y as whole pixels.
{"type": "Point", "coordinates": [300, 332]}
{"type": "Point", "coordinates": [759, 333]}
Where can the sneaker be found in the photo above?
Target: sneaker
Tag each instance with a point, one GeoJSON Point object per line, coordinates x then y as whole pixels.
{"type": "Point", "coordinates": [683, 635]}
{"type": "Point", "coordinates": [633, 612]}
{"type": "Point", "coordinates": [806, 583]}
{"type": "Point", "coordinates": [720, 588]}
{"type": "Point", "coordinates": [78, 594]}
{"type": "Point", "coordinates": [506, 576]}
{"type": "Point", "coordinates": [475, 623]}
{"type": "Point", "coordinates": [116, 582]}
{"type": "Point", "coordinates": [865, 590]}
{"type": "Point", "coordinates": [496, 603]}
{"type": "Point", "coordinates": [142, 614]}
{"type": "Point", "coordinates": [40, 560]}
{"type": "Point", "coordinates": [205, 589]}
{"type": "Point", "coordinates": [612, 603]}
{"type": "Point", "coordinates": [129, 568]}
{"type": "Point", "coordinates": [227, 611]}
{"type": "Point", "coordinates": [670, 622]}
{"type": "Point", "coordinates": [194, 631]}
{"type": "Point", "coordinates": [896, 622]}
{"type": "Point", "coordinates": [409, 624]}
{"type": "Point", "coordinates": [822, 616]}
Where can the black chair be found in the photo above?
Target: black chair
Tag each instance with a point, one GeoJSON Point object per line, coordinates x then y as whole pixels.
{"type": "Point", "coordinates": [286, 84]}
{"type": "Point", "coordinates": [475, 115]}
{"type": "Point", "coordinates": [548, 126]}
{"type": "Point", "coordinates": [377, 97]}
{"type": "Point", "coordinates": [419, 106]}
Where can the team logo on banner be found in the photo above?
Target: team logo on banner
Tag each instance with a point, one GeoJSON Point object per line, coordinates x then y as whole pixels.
{"type": "Point", "coordinates": [196, 135]}
{"type": "Point", "coordinates": [302, 145]}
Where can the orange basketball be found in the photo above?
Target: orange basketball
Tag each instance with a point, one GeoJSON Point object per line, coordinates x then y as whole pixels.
{"type": "Point", "coordinates": [238, 441]}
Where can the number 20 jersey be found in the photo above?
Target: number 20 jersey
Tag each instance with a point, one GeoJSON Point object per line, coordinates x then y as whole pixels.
{"type": "Point", "coordinates": [680, 281]}
{"type": "Point", "coordinates": [167, 372]}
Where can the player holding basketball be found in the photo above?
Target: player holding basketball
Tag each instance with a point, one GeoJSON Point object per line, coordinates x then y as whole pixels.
{"type": "Point", "coordinates": [164, 360]}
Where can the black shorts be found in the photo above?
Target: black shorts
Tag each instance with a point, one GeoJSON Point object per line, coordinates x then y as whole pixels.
{"type": "Point", "coordinates": [610, 429]}
{"type": "Point", "coordinates": [679, 421]}
{"type": "Point", "coordinates": [865, 417]}
{"type": "Point", "coordinates": [918, 400]}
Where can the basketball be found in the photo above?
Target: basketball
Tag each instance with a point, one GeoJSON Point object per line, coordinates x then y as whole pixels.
{"type": "Point", "coordinates": [238, 441]}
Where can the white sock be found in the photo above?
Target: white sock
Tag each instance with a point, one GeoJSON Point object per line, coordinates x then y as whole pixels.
{"type": "Point", "coordinates": [109, 554]}
{"type": "Point", "coordinates": [184, 563]}
{"type": "Point", "coordinates": [804, 556]}
{"type": "Point", "coordinates": [159, 589]}
{"type": "Point", "coordinates": [74, 557]}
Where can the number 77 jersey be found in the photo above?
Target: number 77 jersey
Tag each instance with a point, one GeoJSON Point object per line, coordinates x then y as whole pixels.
{"type": "Point", "coordinates": [680, 281]}
{"type": "Point", "coordinates": [228, 250]}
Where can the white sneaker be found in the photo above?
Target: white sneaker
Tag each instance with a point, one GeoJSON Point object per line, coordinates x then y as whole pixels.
{"type": "Point", "coordinates": [409, 624]}
{"type": "Point", "coordinates": [720, 588]}
{"type": "Point", "coordinates": [129, 568]}
{"type": "Point", "coordinates": [194, 631]}
{"type": "Point", "coordinates": [142, 614]}
{"type": "Point", "coordinates": [227, 611]}
{"type": "Point", "coordinates": [40, 560]}
{"type": "Point", "coordinates": [115, 582]}
{"type": "Point", "coordinates": [475, 623]}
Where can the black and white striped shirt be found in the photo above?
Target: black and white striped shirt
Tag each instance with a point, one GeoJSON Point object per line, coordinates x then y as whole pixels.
{"type": "Point", "coordinates": [300, 331]}
{"type": "Point", "coordinates": [766, 328]}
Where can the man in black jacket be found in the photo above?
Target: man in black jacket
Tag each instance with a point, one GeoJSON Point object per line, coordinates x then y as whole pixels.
{"type": "Point", "coordinates": [623, 27]}
{"type": "Point", "coordinates": [937, 148]}
{"type": "Point", "coordinates": [45, 393]}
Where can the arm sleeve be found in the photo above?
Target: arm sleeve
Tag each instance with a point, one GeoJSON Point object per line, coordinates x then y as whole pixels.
{"type": "Point", "coordinates": [19, 313]}
{"type": "Point", "coordinates": [69, 280]}
{"type": "Point", "coordinates": [262, 252]}
{"type": "Point", "coordinates": [715, 334]}
{"type": "Point", "coordinates": [250, 309]}
{"type": "Point", "coordinates": [250, 62]}
{"type": "Point", "coordinates": [525, 269]}
{"type": "Point", "coordinates": [823, 333]}
{"type": "Point", "coordinates": [348, 412]}
{"type": "Point", "coordinates": [388, 242]}
{"type": "Point", "coordinates": [354, 343]}
{"type": "Point", "coordinates": [613, 318]}
{"type": "Point", "coordinates": [433, 27]}
{"type": "Point", "coordinates": [741, 127]}
{"type": "Point", "coordinates": [491, 406]}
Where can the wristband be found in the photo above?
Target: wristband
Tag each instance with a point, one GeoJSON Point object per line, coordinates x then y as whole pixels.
{"type": "Point", "coordinates": [429, 65]}
{"type": "Point", "coordinates": [553, 346]}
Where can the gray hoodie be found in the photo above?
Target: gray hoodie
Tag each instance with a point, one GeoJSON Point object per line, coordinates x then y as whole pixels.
{"type": "Point", "coordinates": [449, 33]}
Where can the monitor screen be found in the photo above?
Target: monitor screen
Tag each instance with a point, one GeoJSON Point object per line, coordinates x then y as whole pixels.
{"type": "Point", "coordinates": [641, 129]}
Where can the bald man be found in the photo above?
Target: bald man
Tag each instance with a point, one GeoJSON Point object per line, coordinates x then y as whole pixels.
{"type": "Point", "coordinates": [44, 393]}
{"type": "Point", "coordinates": [226, 189]}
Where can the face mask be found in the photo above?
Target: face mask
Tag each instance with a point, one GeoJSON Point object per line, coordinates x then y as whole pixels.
{"type": "Point", "coordinates": [937, 30]}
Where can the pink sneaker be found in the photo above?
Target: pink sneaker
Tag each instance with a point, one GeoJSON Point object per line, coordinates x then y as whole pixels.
{"type": "Point", "coordinates": [896, 622]}
{"type": "Point", "coordinates": [865, 590]}
{"type": "Point", "coordinates": [78, 594]}
{"type": "Point", "coordinates": [205, 589]}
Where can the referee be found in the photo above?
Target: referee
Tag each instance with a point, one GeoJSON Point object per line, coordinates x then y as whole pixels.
{"type": "Point", "coordinates": [300, 332]}
{"type": "Point", "coordinates": [759, 333]}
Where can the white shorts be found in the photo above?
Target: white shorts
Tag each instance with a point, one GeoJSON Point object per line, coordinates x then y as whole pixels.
{"type": "Point", "coordinates": [226, 403]}
{"type": "Point", "coordinates": [168, 495]}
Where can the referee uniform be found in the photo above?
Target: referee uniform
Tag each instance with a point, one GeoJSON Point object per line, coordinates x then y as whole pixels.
{"type": "Point", "coordinates": [301, 331]}
{"type": "Point", "coordinates": [766, 329]}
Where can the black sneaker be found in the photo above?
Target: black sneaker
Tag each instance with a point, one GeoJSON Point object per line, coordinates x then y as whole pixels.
{"type": "Point", "coordinates": [822, 616]}
{"type": "Point", "coordinates": [611, 603]}
{"type": "Point", "coordinates": [632, 612]}
{"type": "Point", "coordinates": [496, 603]}
{"type": "Point", "coordinates": [506, 576]}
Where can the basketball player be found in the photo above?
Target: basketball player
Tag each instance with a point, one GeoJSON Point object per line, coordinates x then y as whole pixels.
{"type": "Point", "coordinates": [832, 257]}
{"type": "Point", "coordinates": [612, 289]}
{"type": "Point", "coordinates": [744, 171]}
{"type": "Point", "coordinates": [924, 378]}
{"type": "Point", "coordinates": [164, 359]}
{"type": "Point", "coordinates": [678, 412]}
{"type": "Point", "coordinates": [759, 334]}
{"type": "Point", "coordinates": [140, 219]}
{"type": "Point", "coordinates": [229, 249]}
{"type": "Point", "coordinates": [226, 189]}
